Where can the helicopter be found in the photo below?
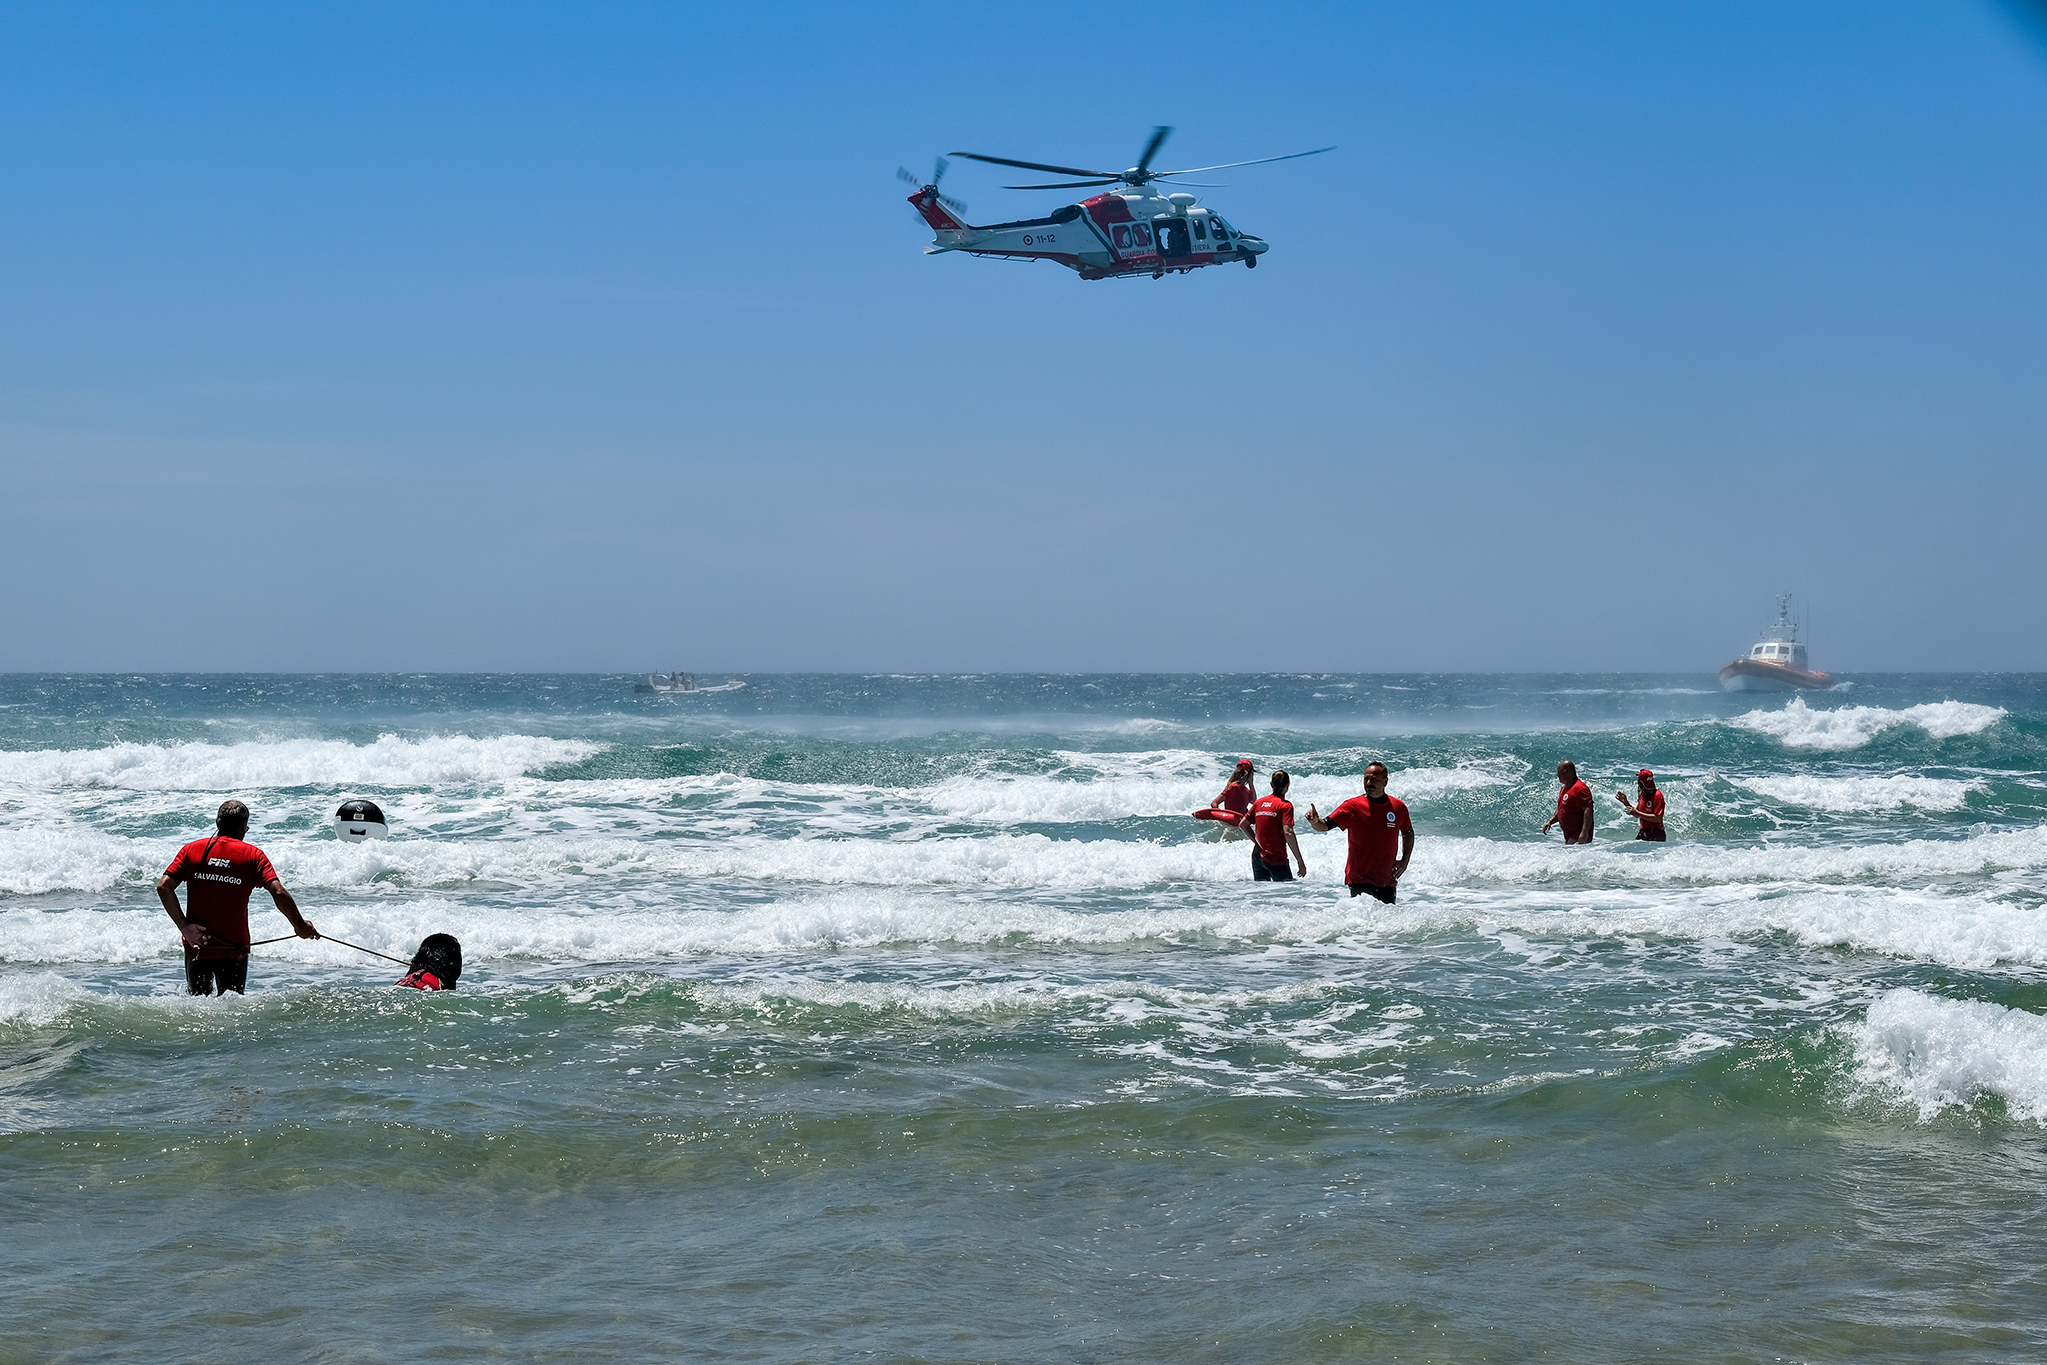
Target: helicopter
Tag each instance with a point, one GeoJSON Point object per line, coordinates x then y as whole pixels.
{"type": "Point", "coordinates": [1130, 230]}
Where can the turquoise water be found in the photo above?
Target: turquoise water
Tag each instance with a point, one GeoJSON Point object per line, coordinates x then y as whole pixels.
{"type": "Point", "coordinates": [911, 1018]}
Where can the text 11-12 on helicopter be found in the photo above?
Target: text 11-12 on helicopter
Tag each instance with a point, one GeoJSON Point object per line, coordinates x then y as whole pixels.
{"type": "Point", "coordinates": [1131, 230]}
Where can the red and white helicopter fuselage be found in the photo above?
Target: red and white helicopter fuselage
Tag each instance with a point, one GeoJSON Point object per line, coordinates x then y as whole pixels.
{"type": "Point", "coordinates": [1131, 231]}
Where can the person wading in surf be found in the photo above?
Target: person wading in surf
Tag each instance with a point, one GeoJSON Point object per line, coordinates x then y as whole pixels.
{"type": "Point", "coordinates": [222, 871]}
{"type": "Point", "coordinates": [1646, 807]}
{"type": "Point", "coordinates": [1374, 822]}
{"type": "Point", "coordinates": [437, 966]}
{"type": "Point", "coordinates": [1574, 806]}
{"type": "Point", "coordinates": [1273, 820]}
{"type": "Point", "coordinates": [1236, 798]}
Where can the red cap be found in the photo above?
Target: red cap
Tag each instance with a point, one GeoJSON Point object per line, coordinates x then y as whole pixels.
{"type": "Point", "coordinates": [1246, 763]}
{"type": "Point", "coordinates": [1646, 773]}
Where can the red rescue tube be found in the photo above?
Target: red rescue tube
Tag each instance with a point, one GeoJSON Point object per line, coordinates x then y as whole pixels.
{"type": "Point", "coordinates": [1228, 817]}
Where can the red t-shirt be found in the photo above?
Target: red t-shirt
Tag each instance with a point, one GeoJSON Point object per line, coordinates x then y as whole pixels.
{"type": "Point", "coordinates": [1236, 798]}
{"type": "Point", "coordinates": [1650, 804]}
{"type": "Point", "coordinates": [1571, 807]}
{"type": "Point", "coordinates": [1374, 833]}
{"type": "Point", "coordinates": [218, 875]}
{"type": "Point", "coordinates": [1273, 816]}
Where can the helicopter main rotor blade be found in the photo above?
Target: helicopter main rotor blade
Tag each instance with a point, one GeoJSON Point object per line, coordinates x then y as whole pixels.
{"type": "Point", "coordinates": [1065, 184]}
{"type": "Point", "coordinates": [1259, 162]}
{"type": "Point", "coordinates": [1034, 165]}
{"type": "Point", "coordinates": [1151, 148]}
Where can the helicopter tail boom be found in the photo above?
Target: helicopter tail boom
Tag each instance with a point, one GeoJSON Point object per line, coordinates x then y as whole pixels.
{"type": "Point", "coordinates": [927, 203]}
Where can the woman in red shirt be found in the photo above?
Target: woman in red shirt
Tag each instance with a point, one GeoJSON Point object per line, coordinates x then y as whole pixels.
{"type": "Point", "coordinates": [1646, 807]}
{"type": "Point", "coordinates": [1232, 805]}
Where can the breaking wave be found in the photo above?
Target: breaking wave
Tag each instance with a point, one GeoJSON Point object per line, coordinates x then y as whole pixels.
{"type": "Point", "coordinates": [1847, 794]}
{"type": "Point", "coordinates": [1947, 1054]}
{"type": "Point", "coordinates": [1851, 727]}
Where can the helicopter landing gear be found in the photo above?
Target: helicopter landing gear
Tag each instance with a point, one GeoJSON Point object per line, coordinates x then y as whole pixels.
{"type": "Point", "coordinates": [1158, 274]}
{"type": "Point", "coordinates": [1250, 261]}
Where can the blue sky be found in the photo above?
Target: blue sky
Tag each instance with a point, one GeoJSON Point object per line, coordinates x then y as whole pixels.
{"type": "Point", "coordinates": [598, 337]}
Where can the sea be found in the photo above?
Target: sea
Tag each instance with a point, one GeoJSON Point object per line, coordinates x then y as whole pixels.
{"type": "Point", "coordinates": [912, 1018]}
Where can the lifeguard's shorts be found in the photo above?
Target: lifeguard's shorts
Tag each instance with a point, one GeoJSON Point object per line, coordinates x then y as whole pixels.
{"type": "Point", "coordinates": [1262, 871]}
{"type": "Point", "coordinates": [1384, 893]}
{"type": "Point", "coordinates": [205, 975]}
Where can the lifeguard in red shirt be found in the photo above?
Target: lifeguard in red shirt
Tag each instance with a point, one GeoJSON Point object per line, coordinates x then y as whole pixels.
{"type": "Point", "coordinates": [221, 872]}
{"type": "Point", "coordinates": [1574, 806]}
{"type": "Point", "coordinates": [1232, 805]}
{"type": "Point", "coordinates": [1375, 823]}
{"type": "Point", "coordinates": [1272, 819]}
{"type": "Point", "coordinates": [1646, 807]}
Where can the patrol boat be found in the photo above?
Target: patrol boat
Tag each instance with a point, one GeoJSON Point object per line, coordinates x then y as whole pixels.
{"type": "Point", "coordinates": [1776, 663]}
{"type": "Point", "coordinates": [681, 682]}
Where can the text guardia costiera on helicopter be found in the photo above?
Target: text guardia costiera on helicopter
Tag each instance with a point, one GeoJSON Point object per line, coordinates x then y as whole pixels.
{"type": "Point", "coordinates": [1130, 230]}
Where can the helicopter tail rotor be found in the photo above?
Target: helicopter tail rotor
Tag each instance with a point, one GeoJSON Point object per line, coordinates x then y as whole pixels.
{"type": "Point", "coordinates": [904, 174]}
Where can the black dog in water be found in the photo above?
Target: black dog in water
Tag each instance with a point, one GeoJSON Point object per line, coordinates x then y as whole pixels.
{"type": "Point", "coordinates": [437, 965]}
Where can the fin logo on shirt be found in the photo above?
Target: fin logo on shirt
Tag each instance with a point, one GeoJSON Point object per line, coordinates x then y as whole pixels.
{"type": "Point", "coordinates": [218, 862]}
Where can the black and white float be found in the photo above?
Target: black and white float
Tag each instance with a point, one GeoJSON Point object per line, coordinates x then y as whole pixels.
{"type": "Point", "coordinates": [359, 820]}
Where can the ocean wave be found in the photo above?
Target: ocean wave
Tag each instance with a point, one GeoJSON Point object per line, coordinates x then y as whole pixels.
{"type": "Point", "coordinates": [1542, 924]}
{"type": "Point", "coordinates": [1850, 794]}
{"type": "Point", "coordinates": [39, 860]}
{"type": "Point", "coordinates": [1625, 863]}
{"type": "Point", "coordinates": [1944, 1054]}
{"type": "Point", "coordinates": [34, 999]}
{"type": "Point", "coordinates": [389, 762]}
{"type": "Point", "coordinates": [1851, 727]}
{"type": "Point", "coordinates": [1157, 785]}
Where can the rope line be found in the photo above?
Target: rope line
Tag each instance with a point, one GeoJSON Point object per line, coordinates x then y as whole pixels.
{"type": "Point", "coordinates": [257, 943]}
{"type": "Point", "coordinates": [371, 951]}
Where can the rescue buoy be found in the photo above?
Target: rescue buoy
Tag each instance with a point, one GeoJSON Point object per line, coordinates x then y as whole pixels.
{"type": "Point", "coordinates": [358, 820]}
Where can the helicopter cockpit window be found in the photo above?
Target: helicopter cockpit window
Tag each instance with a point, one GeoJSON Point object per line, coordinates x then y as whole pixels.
{"type": "Point", "coordinates": [1200, 230]}
{"type": "Point", "coordinates": [1222, 229]}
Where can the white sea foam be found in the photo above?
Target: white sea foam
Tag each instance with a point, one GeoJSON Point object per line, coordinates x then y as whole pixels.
{"type": "Point", "coordinates": [1626, 863]}
{"type": "Point", "coordinates": [34, 999]}
{"type": "Point", "coordinates": [1965, 931]}
{"type": "Point", "coordinates": [44, 858]}
{"type": "Point", "coordinates": [41, 859]}
{"type": "Point", "coordinates": [1851, 727]}
{"type": "Point", "coordinates": [389, 762]}
{"type": "Point", "coordinates": [1957, 931]}
{"type": "Point", "coordinates": [1170, 783]}
{"type": "Point", "coordinates": [1942, 1054]}
{"type": "Point", "coordinates": [1850, 794]}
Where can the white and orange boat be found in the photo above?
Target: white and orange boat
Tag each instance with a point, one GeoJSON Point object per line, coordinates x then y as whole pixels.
{"type": "Point", "coordinates": [1775, 663]}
